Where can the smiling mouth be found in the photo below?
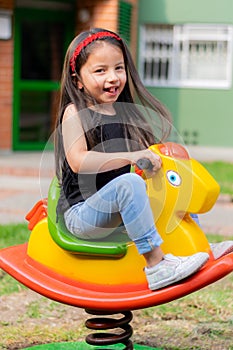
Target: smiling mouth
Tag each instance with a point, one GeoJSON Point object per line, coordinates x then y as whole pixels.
{"type": "Point", "coordinates": [112, 90]}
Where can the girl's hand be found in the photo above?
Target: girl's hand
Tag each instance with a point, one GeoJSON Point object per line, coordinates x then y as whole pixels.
{"type": "Point", "coordinates": [151, 156]}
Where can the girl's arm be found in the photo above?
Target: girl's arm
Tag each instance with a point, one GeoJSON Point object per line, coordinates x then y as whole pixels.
{"type": "Point", "coordinates": [83, 161]}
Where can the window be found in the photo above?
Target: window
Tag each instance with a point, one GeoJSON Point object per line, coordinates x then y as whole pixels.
{"type": "Point", "coordinates": [186, 55]}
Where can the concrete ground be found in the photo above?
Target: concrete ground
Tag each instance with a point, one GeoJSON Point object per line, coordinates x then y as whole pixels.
{"type": "Point", "coordinates": [25, 179]}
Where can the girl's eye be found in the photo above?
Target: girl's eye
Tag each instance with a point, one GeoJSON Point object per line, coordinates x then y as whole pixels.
{"type": "Point", "coordinates": [99, 70]}
{"type": "Point", "coordinates": [174, 178]}
{"type": "Point", "coordinates": [120, 67]}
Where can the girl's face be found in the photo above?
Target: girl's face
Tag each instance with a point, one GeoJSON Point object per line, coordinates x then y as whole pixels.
{"type": "Point", "coordinates": [103, 75]}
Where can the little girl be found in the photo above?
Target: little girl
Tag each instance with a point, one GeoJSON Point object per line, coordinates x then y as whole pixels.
{"type": "Point", "coordinates": [100, 133]}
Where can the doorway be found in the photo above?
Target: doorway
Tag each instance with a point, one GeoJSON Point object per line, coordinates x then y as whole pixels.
{"type": "Point", "coordinates": [41, 39]}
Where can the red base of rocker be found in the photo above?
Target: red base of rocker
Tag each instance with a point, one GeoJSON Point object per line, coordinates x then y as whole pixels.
{"type": "Point", "coordinates": [14, 261]}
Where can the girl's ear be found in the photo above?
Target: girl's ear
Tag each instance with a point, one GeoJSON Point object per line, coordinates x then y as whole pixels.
{"type": "Point", "coordinates": [80, 85]}
{"type": "Point", "coordinates": [77, 82]}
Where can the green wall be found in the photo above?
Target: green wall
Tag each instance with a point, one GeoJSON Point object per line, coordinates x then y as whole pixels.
{"type": "Point", "coordinates": [201, 116]}
{"type": "Point", "coordinates": [186, 11]}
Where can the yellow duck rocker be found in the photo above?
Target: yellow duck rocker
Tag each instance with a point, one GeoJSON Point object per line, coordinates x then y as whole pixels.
{"type": "Point", "coordinates": [107, 275]}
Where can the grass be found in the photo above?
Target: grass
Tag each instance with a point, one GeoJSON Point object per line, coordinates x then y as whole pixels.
{"type": "Point", "coordinates": [203, 319]}
{"type": "Point", "coordinates": [11, 235]}
{"type": "Point", "coordinates": [223, 174]}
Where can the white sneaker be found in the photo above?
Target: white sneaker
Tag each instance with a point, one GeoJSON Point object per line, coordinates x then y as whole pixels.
{"type": "Point", "coordinates": [222, 248]}
{"type": "Point", "coordinates": [173, 269]}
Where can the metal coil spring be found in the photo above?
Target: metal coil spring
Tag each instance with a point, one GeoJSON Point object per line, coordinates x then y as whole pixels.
{"type": "Point", "coordinates": [105, 323]}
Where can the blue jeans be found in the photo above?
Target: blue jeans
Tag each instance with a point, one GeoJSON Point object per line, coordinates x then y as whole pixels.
{"type": "Point", "coordinates": [195, 218]}
{"type": "Point", "coordinates": [122, 200]}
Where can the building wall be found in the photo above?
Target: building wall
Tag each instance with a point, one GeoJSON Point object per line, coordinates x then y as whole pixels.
{"type": "Point", "coordinates": [208, 113]}
{"type": "Point", "coordinates": [104, 14]}
{"type": "Point", "coordinates": [6, 84]}
{"type": "Point", "coordinates": [97, 13]}
{"type": "Point", "coordinates": [186, 11]}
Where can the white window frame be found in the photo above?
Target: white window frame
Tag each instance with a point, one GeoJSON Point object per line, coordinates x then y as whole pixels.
{"type": "Point", "coordinates": [177, 49]}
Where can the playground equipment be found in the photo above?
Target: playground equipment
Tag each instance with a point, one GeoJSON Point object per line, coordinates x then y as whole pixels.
{"type": "Point", "coordinates": [106, 276]}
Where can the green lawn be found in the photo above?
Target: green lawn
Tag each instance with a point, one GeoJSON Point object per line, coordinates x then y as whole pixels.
{"type": "Point", "coordinates": [223, 174]}
{"type": "Point", "coordinates": [13, 234]}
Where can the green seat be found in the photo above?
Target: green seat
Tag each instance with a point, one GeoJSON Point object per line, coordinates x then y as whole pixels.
{"type": "Point", "coordinates": [115, 245]}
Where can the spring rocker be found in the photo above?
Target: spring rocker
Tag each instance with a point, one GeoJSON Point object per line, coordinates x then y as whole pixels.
{"type": "Point", "coordinates": [106, 277]}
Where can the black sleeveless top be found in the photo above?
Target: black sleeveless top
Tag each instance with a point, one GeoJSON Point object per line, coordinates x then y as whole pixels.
{"type": "Point", "coordinates": [110, 137]}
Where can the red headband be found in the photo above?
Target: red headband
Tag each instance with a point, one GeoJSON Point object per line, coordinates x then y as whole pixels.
{"type": "Point", "coordinates": [87, 41]}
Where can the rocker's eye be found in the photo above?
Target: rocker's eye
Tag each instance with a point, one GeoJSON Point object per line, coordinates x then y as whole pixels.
{"type": "Point", "coordinates": [174, 178]}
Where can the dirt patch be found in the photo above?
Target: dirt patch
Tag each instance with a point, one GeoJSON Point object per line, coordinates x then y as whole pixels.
{"type": "Point", "coordinates": [28, 319]}
{"type": "Point", "coordinates": [33, 309]}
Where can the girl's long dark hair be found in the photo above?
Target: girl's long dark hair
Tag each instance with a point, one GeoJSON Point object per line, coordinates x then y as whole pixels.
{"type": "Point", "coordinates": [139, 126]}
